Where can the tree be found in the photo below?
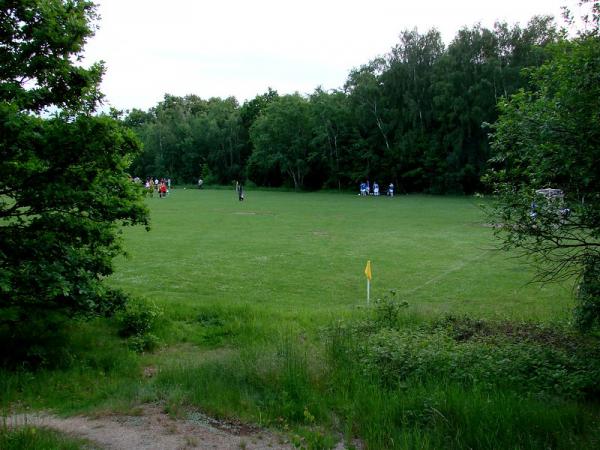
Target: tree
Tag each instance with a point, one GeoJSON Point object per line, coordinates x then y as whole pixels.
{"type": "Point", "coordinates": [249, 112]}
{"type": "Point", "coordinates": [222, 137]}
{"type": "Point", "coordinates": [548, 136]}
{"type": "Point", "coordinates": [408, 85]}
{"type": "Point", "coordinates": [479, 67]}
{"type": "Point", "coordinates": [371, 111]}
{"type": "Point", "coordinates": [282, 137]}
{"type": "Point", "coordinates": [334, 134]}
{"type": "Point", "coordinates": [64, 190]}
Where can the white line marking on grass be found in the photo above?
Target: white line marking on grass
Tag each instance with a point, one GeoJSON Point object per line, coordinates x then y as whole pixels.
{"type": "Point", "coordinates": [456, 268]}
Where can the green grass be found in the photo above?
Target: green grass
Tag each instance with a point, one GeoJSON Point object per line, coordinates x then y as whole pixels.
{"type": "Point", "coordinates": [304, 255]}
{"type": "Point", "coordinates": [247, 289]}
{"type": "Point", "coordinates": [39, 438]}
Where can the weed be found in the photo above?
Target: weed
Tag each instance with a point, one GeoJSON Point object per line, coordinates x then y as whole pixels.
{"type": "Point", "coordinates": [387, 310]}
{"type": "Point", "coordinates": [30, 437]}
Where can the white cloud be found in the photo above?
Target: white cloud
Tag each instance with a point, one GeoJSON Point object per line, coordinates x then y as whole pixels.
{"type": "Point", "coordinates": [237, 47]}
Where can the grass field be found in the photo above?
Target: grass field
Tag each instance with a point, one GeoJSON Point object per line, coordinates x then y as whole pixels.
{"type": "Point", "coordinates": [304, 254]}
{"type": "Point", "coordinates": [265, 319]}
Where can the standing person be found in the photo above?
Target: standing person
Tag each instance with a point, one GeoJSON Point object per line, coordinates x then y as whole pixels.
{"type": "Point", "coordinates": [200, 183]}
{"type": "Point", "coordinates": [162, 190]}
{"type": "Point", "coordinates": [168, 184]}
{"type": "Point", "coordinates": [390, 191]}
{"type": "Point", "coordinates": [376, 189]}
{"type": "Point", "coordinates": [362, 188]}
{"type": "Point", "coordinates": [368, 188]}
{"type": "Point", "coordinates": [240, 190]}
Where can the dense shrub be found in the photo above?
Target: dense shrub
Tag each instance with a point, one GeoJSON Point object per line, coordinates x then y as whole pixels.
{"type": "Point", "coordinates": [396, 356]}
{"type": "Point", "coordinates": [527, 358]}
{"type": "Point", "coordinates": [40, 342]}
{"type": "Point", "coordinates": [137, 322]}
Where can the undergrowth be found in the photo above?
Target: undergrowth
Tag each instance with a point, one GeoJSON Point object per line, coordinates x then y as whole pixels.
{"type": "Point", "coordinates": [452, 383]}
{"type": "Point", "coordinates": [381, 376]}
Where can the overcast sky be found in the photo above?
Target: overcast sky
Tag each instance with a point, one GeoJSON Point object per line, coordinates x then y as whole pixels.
{"type": "Point", "coordinates": [219, 48]}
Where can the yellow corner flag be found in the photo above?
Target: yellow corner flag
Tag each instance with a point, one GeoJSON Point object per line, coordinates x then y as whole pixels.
{"type": "Point", "coordinates": [368, 270]}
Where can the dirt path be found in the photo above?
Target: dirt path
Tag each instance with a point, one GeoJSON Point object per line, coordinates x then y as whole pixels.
{"type": "Point", "coordinates": [155, 430]}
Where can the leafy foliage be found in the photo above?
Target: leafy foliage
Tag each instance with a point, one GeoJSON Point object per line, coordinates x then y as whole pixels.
{"type": "Point", "coordinates": [548, 137]}
{"type": "Point", "coordinates": [522, 357]}
{"type": "Point", "coordinates": [38, 40]}
{"type": "Point", "coordinates": [282, 138]}
{"type": "Point", "coordinates": [183, 135]}
{"type": "Point", "coordinates": [137, 321]}
{"type": "Point", "coordinates": [387, 310]}
{"type": "Point", "coordinates": [64, 190]}
{"type": "Point", "coordinates": [138, 318]}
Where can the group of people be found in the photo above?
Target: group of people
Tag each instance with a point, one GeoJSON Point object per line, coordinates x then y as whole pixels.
{"type": "Point", "coordinates": [365, 189]}
{"type": "Point", "coordinates": [162, 186]}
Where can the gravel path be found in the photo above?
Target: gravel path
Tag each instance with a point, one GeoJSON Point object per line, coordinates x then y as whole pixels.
{"type": "Point", "coordinates": [155, 430]}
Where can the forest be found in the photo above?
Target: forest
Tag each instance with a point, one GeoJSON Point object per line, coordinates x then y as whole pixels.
{"type": "Point", "coordinates": [416, 116]}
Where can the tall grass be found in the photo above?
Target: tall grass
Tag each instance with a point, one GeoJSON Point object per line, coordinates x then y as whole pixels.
{"type": "Point", "coordinates": [36, 438]}
{"type": "Point", "coordinates": [96, 367]}
{"type": "Point", "coordinates": [291, 386]}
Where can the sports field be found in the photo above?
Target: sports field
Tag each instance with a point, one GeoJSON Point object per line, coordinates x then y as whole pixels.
{"type": "Point", "coordinates": [289, 253]}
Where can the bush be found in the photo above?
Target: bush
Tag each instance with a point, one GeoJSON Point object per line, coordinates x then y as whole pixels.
{"type": "Point", "coordinates": [39, 342]}
{"type": "Point", "coordinates": [387, 310]}
{"type": "Point", "coordinates": [524, 358]}
{"type": "Point", "coordinates": [136, 323]}
{"type": "Point", "coordinates": [138, 318]}
{"type": "Point", "coordinates": [43, 338]}
{"type": "Point", "coordinates": [143, 343]}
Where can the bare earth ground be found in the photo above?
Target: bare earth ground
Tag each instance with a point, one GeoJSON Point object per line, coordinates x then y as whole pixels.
{"type": "Point", "coordinates": [155, 430]}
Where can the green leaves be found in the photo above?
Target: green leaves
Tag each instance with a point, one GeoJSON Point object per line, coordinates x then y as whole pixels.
{"type": "Point", "coordinates": [282, 136]}
{"type": "Point", "coordinates": [548, 137]}
{"type": "Point", "coordinates": [38, 40]}
{"type": "Point", "coordinates": [62, 179]}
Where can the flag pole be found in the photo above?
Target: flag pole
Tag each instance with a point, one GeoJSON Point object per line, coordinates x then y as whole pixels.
{"type": "Point", "coordinates": [368, 274]}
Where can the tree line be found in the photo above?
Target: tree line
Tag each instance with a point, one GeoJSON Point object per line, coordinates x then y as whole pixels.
{"type": "Point", "coordinates": [415, 116]}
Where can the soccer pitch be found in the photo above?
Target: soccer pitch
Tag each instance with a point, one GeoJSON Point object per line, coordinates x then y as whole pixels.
{"type": "Point", "coordinates": [284, 252]}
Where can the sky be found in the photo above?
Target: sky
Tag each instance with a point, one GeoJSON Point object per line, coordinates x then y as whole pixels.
{"type": "Point", "coordinates": [222, 48]}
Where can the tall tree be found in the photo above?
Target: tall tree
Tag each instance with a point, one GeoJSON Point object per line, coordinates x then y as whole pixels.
{"type": "Point", "coordinates": [408, 85]}
{"type": "Point", "coordinates": [371, 111]}
{"type": "Point", "coordinates": [249, 112]}
{"type": "Point", "coordinates": [222, 135]}
{"type": "Point", "coordinates": [282, 138]}
{"type": "Point", "coordinates": [548, 136]}
{"type": "Point", "coordinates": [334, 135]}
{"type": "Point", "coordinates": [480, 67]}
{"type": "Point", "coordinates": [64, 191]}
